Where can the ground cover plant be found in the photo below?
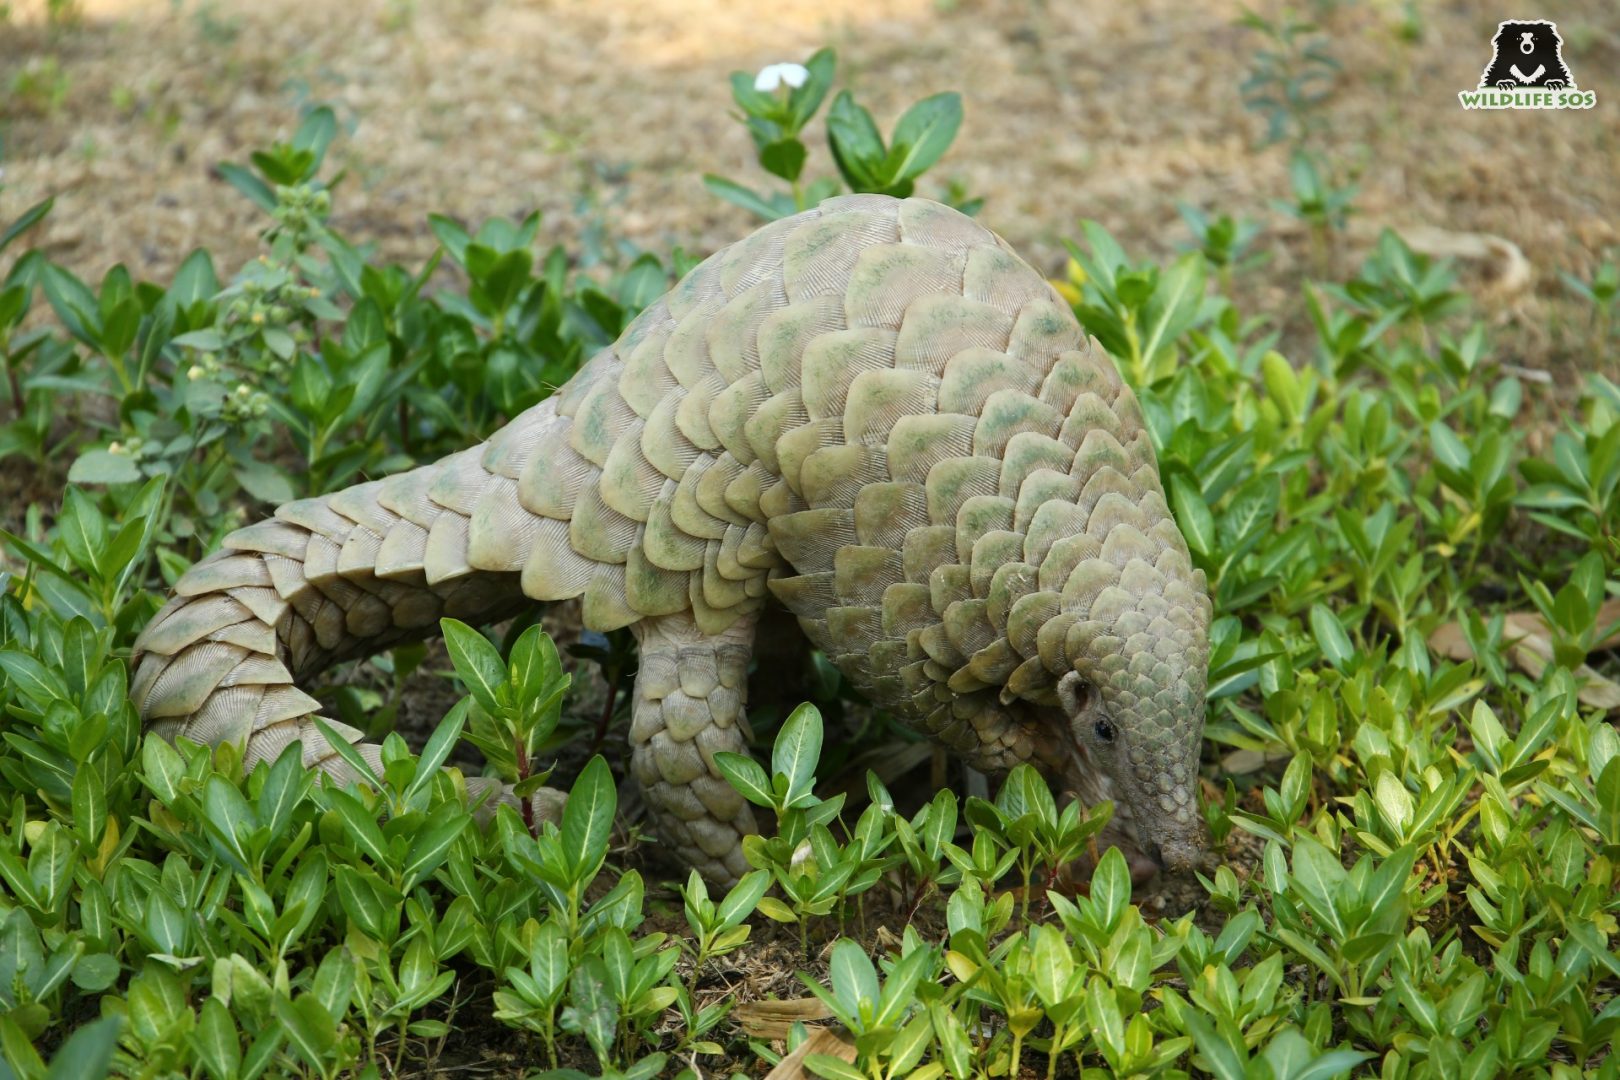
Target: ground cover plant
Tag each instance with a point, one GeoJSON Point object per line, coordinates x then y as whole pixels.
{"type": "Point", "coordinates": [1411, 779]}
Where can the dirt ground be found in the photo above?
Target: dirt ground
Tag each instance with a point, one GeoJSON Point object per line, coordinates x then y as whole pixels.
{"type": "Point", "coordinates": [604, 116]}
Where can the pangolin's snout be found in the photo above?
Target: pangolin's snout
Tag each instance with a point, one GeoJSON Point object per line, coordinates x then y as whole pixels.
{"type": "Point", "coordinates": [1177, 850]}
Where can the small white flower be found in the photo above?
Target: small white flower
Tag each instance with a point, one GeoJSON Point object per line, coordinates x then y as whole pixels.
{"type": "Point", "coordinates": [801, 854]}
{"type": "Point", "coordinates": [772, 76]}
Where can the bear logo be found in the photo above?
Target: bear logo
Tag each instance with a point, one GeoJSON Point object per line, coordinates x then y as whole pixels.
{"type": "Point", "coordinates": [1527, 71]}
{"type": "Point", "coordinates": [1527, 54]}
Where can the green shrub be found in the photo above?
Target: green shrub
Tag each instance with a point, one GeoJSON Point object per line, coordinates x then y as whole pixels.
{"type": "Point", "coordinates": [1416, 853]}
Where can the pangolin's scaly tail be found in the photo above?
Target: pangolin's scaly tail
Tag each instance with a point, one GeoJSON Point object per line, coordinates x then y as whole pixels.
{"type": "Point", "coordinates": [324, 580]}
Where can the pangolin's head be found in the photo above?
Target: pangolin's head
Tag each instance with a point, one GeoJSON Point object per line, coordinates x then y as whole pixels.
{"type": "Point", "coordinates": [1134, 699]}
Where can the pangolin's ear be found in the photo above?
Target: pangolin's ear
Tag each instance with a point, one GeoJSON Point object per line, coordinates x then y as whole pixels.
{"type": "Point", "coordinates": [1073, 692]}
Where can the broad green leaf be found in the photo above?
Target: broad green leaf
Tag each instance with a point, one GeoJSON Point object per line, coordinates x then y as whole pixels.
{"type": "Point", "coordinates": [798, 751]}
{"type": "Point", "coordinates": [25, 221]}
{"type": "Point", "coordinates": [1105, 1018]}
{"type": "Point", "coordinates": [360, 825]}
{"type": "Point", "coordinates": [1220, 1058]}
{"type": "Point", "coordinates": [784, 158]}
{"type": "Point", "coordinates": [1331, 1064]}
{"type": "Point", "coordinates": [900, 989]}
{"type": "Point", "coordinates": [163, 769]}
{"type": "Point", "coordinates": [31, 678]}
{"type": "Point", "coordinates": [83, 531]}
{"type": "Point", "coordinates": [229, 819]}
{"type": "Point", "coordinates": [747, 776]}
{"type": "Point", "coordinates": [88, 1052]}
{"type": "Point", "coordinates": [1111, 888]}
{"type": "Point", "coordinates": [1448, 449]}
{"type": "Point", "coordinates": [593, 1010]}
{"type": "Point", "coordinates": [431, 846]}
{"type": "Point", "coordinates": [775, 910]}
{"type": "Point", "coordinates": [344, 749]}
{"type": "Point", "coordinates": [265, 482]}
{"type": "Point", "coordinates": [923, 135]}
{"type": "Point", "coordinates": [856, 144]}
{"type": "Point", "coordinates": [215, 1041]}
{"type": "Point", "coordinates": [1173, 309]}
{"type": "Point", "coordinates": [853, 977]}
{"type": "Point", "coordinates": [1192, 514]}
{"type": "Point", "coordinates": [618, 963]}
{"type": "Point", "coordinates": [309, 1028]}
{"type": "Point", "coordinates": [737, 195]}
{"type": "Point", "coordinates": [335, 979]}
{"type": "Point", "coordinates": [832, 1068]}
{"type": "Point", "coordinates": [548, 961]}
{"type": "Point", "coordinates": [806, 99]}
{"type": "Point", "coordinates": [1330, 636]}
{"type": "Point", "coordinates": [438, 748]}
{"type": "Point", "coordinates": [742, 899]}
{"type": "Point", "coordinates": [1320, 875]}
{"type": "Point", "coordinates": [165, 923]}
{"type": "Point", "coordinates": [1284, 386]}
{"type": "Point", "coordinates": [316, 132]}
{"type": "Point", "coordinates": [248, 184]}
{"type": "Point", "coordinates": [477, 662]}
{"type": "Point", "coordinates": [363, 902]}
{"type": "Point", "coordinates": [588, 819]}
{"type": "Point", "coordinates": [1394, 800]}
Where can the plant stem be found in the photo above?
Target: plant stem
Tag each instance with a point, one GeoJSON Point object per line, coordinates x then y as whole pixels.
{"type": "Point", "coordinates": [1028, 868]}
{"type": "Point", "coordinates": [16, 390]}
{"type": "Point", "coordinates": [606, 718]}
{"type": "Point", "coordinates": [692, 981]}
{"type": "Point", "coordinates": [917, 898]}
{"type": "Point", "coordinates": [521, 752]}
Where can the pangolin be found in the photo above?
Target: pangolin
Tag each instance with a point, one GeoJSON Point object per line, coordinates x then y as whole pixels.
{"type": "Point", "coordinates": [873, 412]}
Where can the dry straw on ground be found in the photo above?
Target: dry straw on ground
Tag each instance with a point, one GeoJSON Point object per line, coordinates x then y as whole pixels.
{"type": "Point", "coordinates": [601, 113]}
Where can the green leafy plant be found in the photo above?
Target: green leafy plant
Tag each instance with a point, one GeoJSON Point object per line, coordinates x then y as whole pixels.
{"type": "Point", "coordinates": [810, 886]}
{"type": "Point", "coordinates": [780, 103]}
{"type": "Point", "coordinates": [1290, 78]}
{"type": "Point", "coordinates": [1413, 780]}
{"type": "Point", "coordinates": [1602, 293]}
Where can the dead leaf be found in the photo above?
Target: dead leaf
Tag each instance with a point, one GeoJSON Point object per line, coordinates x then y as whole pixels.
{"type": "Point", "coordinates": [832, 1041]}
{"type": "Point", "coordinates": [1508, 273]}
{"type": "Point", "coordinates": [774, 1019]}
{"type": "Point", "coordinates": [1528, 641]}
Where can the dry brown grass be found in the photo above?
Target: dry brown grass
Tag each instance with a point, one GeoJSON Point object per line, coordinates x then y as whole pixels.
{"type": "Point", "coordinates": [581, 108]}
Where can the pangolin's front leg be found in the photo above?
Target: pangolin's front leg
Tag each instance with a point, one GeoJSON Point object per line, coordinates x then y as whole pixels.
{"type": "Point", "coordinates": [689, 701]}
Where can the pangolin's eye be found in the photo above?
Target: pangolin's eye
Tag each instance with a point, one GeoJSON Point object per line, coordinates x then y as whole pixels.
{"type": "Point", "coordinates": [1104, 730]}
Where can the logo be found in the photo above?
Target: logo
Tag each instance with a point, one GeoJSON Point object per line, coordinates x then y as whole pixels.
{"type": "Point", "coordinates": [1527, 71]}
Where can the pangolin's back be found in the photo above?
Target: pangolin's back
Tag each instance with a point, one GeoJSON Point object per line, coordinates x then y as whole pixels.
{"type": "Point", "coordinates": [875, 410]}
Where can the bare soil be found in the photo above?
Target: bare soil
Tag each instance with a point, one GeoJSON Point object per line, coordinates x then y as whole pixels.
{"type": "Point", "coordinates": [604, 116]}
